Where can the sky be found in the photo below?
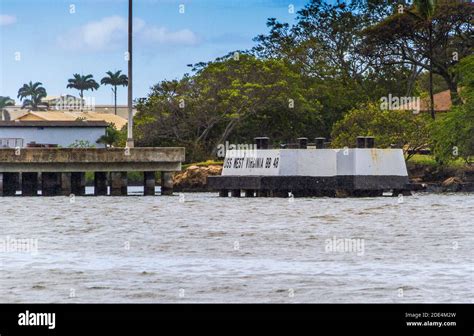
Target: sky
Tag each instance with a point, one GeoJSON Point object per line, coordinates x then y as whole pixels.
{"type": "Point", "coordinates": [50, 40]}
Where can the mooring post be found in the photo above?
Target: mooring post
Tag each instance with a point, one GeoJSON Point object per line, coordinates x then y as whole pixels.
{"type": "Point", "coordinates": [66, 189]}
{"type": "Point", "coordinates": [262, 142]}
{"type": "Point", "coordinates": [360, 141]}
{"type": "Point", "coordinates": [50, 184]}
{"type": "Point", "coordinates": [166, 183]}
{"type": "Point", "coordinates": [29, 184]}
{"type": "Point", "coordinates": [302, 143]}
{"type": "Point", "coordinates": [100, 183]}
{"type": "Point", "coordinates": [319, 142]}
{"type": "Point", "coordinates": [78, 183]}
{"type": "Point", "coordinates": [118, 184]}
{"type": "Point", "coordinates": [149, 183]}
{"type": "Point", "coordinates": [369, 142]}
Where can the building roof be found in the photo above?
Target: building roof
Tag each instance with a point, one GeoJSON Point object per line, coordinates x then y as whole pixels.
{"type": "Point", "coordinates": [42, 123]}
{"type": "Point", "coordinates": [442, 103]}
{"type": "Point", "coordinates": [118, 121]}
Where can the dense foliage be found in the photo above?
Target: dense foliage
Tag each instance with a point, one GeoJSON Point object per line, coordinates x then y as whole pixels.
{"type": "Point", "coordinates": [324, 75]}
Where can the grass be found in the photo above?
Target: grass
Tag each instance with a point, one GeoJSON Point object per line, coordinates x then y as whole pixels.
{"type": "Point", "coordinates": [428, 160]}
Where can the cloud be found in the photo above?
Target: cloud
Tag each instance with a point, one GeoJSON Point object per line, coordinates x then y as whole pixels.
{"type": "Point", "coordinates": [6, 20]}
{"type": "Point", "coordinates": [110, 33]}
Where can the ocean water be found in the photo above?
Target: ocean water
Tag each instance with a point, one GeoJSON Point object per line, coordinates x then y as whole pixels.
{"type": "Point", "coordinates": [202, 248]}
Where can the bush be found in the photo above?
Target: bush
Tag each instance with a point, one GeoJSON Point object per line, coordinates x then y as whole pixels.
{"type": "Point", "coordinates": [391, 128]}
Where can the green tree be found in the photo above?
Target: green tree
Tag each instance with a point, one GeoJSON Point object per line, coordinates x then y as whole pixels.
{"type": "Point", "coordinates": [406, 38]}
{"type": "Point", "coordinates": [82, 83]}
{"type": "Point", "coordinates": [391, 128]}
{"type": "Point", "coordinates": [222, 98]}
{"type": "Point", "coordinates": [115, 79]}
{"type": "Point", "coordinates": [112, 136]}
{"type": "Point", "coordinates": [31, 94]}
{"type": "Point", "coordinates": [425, 10]}
{"type": "Point", "coordinates": [453, 134]}
{"type": "Point", "coordinates": [4, 102]}
{"type": "Point", "coordinates": [324, 46]}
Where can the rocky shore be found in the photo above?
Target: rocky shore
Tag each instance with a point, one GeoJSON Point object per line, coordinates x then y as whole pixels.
{"type": "Point", "coordinates": [194, 178]}
{"type": "Point", "coordinates": [423, 178]}
{"type": "Point", "coordinates": [436, 179]}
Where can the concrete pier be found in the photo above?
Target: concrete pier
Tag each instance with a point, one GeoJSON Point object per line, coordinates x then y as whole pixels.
{"type": "Point", "coordinates": [61, 171]}
{"type": "Point", "coordinates": [149, 182]}
{"type": "Point", "coordinates": [306, 171]}
{"type": "Point", "coordinates": [100, 183]}
{"type": "Point", "coordinates": [118, 183]}
{"type": "Point", "coordinates": [50, 184]}
{"type": "Point", "coordinates": [166, 183]}
{"type": "Point", "coordinates": [29, 184]}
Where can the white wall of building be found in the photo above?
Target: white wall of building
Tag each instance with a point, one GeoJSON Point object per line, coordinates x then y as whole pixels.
{"type": "Point", "coordinates": [62, 136]}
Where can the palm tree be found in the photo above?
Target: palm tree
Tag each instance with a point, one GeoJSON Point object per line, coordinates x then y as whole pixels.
{"type": "Point", "coordinates": [82, 83]}
{"type": "Point", "coordinates": [4, 102]}
{"type": "Point", "coordinates": [425, 10]}
{"type": "Point", "coordinates": [35, 92]}
{"type": "Point", "coordinates": [115, 79]}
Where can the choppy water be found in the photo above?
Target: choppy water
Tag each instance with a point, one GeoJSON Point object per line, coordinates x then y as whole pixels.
{"type": "Point", "coordinates": [208, 249]}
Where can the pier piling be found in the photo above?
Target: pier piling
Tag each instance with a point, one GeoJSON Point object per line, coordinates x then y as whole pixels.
{"type": "Point", "coordinates": [100, 184]}
{"type": "Point", "coordinates": [249, 193]}
{"type": "Point", "coordinates": [118, 183]}
{"type": "Point", "coordinates": [235, 193]}
{"type": "Point", "coordinates": [149, 183]}
{"type": "Point", "coordinates": [29, 184]}
{"type": "Point", "coordinates": [66, 188]}
{"type": "Point", "coordinates": [50, 184]}
{"type": "Point", "coordinates": [223, 193]}
{"type": "Point", "coordinates": [78, 183]}
{"type": "Point", "coordinates": [9, 183]}
{"type": "Point", "coordinates": [166, 183]}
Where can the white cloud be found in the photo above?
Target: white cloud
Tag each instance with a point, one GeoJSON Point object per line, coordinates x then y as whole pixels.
{"type": "Point", "coordinates": [6, 20]}
{"type": "Point", "coordinates": [110, 33]}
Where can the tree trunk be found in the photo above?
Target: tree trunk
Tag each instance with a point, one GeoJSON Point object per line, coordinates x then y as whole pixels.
{"type": "Point", "coordinates": [431, 71]}
{"type": "Point", "coordinates": [81, 94]}
{"type": "Point", "coordinates": [228, 130]}
{"type": "Point", "coordinates": [115, 100]}
{"type": "Point", "coordinates": [453, 89]}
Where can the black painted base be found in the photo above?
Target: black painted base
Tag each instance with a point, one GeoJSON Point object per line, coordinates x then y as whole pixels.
{"type": "Point", "coordinates": [304, 186]}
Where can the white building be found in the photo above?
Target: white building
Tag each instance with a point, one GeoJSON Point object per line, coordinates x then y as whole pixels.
{"type": "Point", "coordinates": [51, 133]}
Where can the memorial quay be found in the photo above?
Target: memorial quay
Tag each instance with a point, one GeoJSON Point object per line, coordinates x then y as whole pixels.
{"type": "Point", "coordinates": [312, 170]}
